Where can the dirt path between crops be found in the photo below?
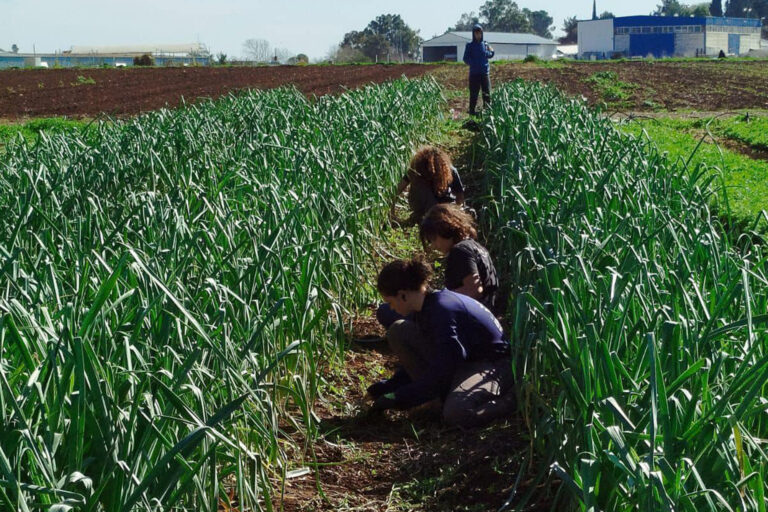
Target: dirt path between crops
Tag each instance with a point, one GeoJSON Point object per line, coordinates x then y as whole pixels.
{"type": "Point", "coordinates": [402, 461]}
{"type": "Point", "coordinates": [733, 145]}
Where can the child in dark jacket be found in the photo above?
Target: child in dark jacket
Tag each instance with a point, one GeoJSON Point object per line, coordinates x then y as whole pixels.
{"type": "Point", "coordinates": [476, 55]}
{"type": "Point", "coordinates": [449, 346]}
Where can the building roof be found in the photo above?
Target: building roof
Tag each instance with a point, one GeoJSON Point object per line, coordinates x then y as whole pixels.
{"type": "Point", "coordinates": [501, 38]}
{"type": "Point", "coordinates": [634, 21]}
{"type": "Point", "coordinates": [188, 48]}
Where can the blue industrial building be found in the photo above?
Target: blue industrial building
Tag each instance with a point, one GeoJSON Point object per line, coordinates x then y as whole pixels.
{"type": "Point", "coordinates": [666, 36]}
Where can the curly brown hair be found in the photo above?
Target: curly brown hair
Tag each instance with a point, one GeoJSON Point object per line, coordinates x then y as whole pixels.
{"type": "Point", "coordinates": [448, 221]}
{"type": "Point", "coordinates": [433, 165]}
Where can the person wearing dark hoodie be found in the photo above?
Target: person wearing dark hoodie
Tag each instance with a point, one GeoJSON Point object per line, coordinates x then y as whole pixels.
{"type": "Point", "coordinates": [449, 347]}
{"type": "Point", "coordinates": [476, 55]}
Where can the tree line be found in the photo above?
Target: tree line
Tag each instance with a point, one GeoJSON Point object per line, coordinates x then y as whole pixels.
{"type": "Point", "coordinates": [732, 8]}
{"type": "Point", "coordinates": [389, 38]}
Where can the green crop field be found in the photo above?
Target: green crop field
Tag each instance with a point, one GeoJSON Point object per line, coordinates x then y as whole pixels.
{"type": "Point", "coordinates": [752, 131]}
{"type": "Point", "coordinates": [639, 329]}
{"type": "Point", "coordinates": [30, 130]}
{"type": "Point", "coordinates": [741, 176]}
{"type": "Point", "coordinates": [170, 284]}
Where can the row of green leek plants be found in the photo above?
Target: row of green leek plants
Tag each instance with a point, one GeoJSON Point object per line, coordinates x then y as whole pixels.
{"type": "Point", "coordinates": [638, 323]}
{"type": "Point", "coordinates": [169, 285]}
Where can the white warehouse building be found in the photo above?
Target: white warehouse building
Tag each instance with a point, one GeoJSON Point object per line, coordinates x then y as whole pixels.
{"type": "Point", "coordinates": [450, 46]}
{"type": "Point", "coordinates": [667, 36]}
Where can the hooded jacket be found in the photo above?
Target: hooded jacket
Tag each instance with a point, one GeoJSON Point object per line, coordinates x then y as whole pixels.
{"type": "Point", "coordinates": [476, 54]}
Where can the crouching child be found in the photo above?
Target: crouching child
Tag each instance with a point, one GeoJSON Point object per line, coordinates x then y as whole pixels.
{"type": "Point", "coordinates": [450, 347]}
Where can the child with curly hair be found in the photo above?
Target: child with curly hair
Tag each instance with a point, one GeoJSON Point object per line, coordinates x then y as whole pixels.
{"type": "Point", "coordinates": [469, 269]}
{"type": "Point", "coordinates": [432, 179]}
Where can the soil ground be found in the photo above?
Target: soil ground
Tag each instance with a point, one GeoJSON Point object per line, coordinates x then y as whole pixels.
{"type": "Point", "coordinates": [710, 85]}
{"type": "Point", "coordinates": [120, 92]}
{"type": "Point", "coordinates": [398, 461]}
{"type": "Point", "coordinates": [651, 85]}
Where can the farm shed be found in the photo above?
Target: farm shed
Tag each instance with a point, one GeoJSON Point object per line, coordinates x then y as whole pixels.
{"type": "Point", "coordinates": [666, 36]}
{"type": "Point", "coordinates": [450, 46]}
{"type": "Point", "coordinates": [164, 55]}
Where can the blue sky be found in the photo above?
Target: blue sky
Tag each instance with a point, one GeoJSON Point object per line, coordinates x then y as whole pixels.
{"type": "Point", "coordinates": [305, 26]}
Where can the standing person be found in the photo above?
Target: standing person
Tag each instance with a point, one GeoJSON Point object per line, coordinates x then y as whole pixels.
{"type": "Point", "coordinates": [432, 179]}
{"type": "Point", "coordinates": [469, 269]}
{"type": "Point", "coordinates": [476, 55]}
{"type": "Point", "coordinates": [452, 348]}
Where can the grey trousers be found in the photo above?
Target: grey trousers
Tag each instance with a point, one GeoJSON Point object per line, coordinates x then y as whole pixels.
{"type": "Point", "coordinates": [481, 391]}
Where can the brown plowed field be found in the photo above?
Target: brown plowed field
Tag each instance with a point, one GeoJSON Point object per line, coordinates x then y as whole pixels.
{"type": "Point", "coordinates": [119, 92]}
{"type": "Point", "coordinates": [711, 85]}
{"type": "Point", "coordinates": [651, 85]}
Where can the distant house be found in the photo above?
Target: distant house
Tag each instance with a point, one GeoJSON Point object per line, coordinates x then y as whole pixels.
{"type": "Point", "coordinates": [508, 46]}
{"type": "Point", "coordinates": [667, 36]}
{"type": "Point", "coordinates": [567, 51]}
{"type": "Point", "coordinates": [119, 56]}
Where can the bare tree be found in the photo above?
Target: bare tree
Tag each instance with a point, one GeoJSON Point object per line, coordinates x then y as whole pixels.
{"type": "Point", "coordinates": [257, 50]}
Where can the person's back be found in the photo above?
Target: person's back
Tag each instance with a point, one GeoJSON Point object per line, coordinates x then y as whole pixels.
{"type": "Point", "coordinates": [465, 324]}
{"type": "Point", "coordinates": [457, 332]}
{"type": "Point", "coordinates": [468, 257]}
{"type": "Point", "coordinates": [431, 179]}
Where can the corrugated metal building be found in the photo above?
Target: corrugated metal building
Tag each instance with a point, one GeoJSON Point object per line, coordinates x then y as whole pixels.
{"type": "Point", "coordinates": [164, 55]}
{"type": "Point", "coordinates": [450, 46]}
{"type": "Point", "coordinates": [665, 36]}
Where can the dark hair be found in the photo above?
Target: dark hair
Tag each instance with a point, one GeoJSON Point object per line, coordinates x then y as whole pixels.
{"type": "Point", "coordinates": [403, 275]}
{"type": "Point", "coordinates": [433, 165]}
{"type": "Point", "coordinates": [448, 221]}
